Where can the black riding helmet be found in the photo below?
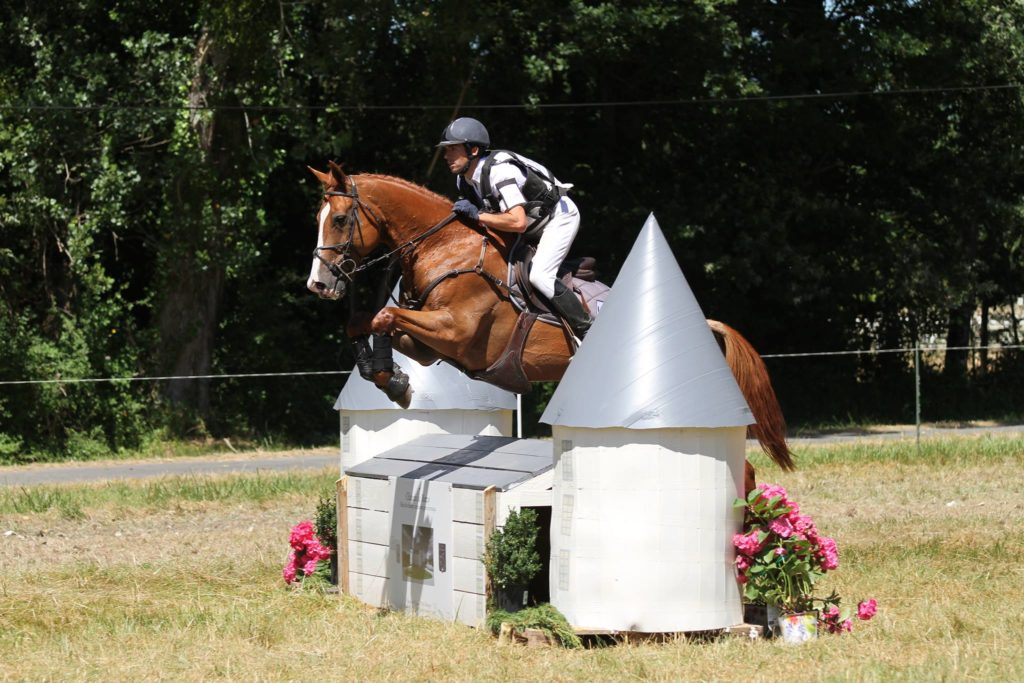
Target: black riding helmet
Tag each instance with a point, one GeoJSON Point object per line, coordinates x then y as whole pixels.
{"type": "Point", "coordinates": [465, 131]}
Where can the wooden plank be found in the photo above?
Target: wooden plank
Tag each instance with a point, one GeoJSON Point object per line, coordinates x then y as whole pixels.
{"type": "Point", "coordinates": [341, 504]}
{"type": "Point", "coordinates": [490, 520]}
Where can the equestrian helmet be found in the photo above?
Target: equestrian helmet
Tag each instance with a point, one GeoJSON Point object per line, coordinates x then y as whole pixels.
{"type": "Point", "coordinates": [465, 131]}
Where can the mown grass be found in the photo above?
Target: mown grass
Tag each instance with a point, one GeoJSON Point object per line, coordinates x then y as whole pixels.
{"type": "Point", "coordinates": [71, 501]}
{"type": "Point", "coordinates": [153, 448]}
{"type": "Point", "coordinates": [935, 538]}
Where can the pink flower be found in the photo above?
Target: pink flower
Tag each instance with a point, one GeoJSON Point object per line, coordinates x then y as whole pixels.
{"type": "Point", "coordinates": [301, 534]}
{"type": "Point", "coordinates": [828, 553]}
{"type": "Point", "coordinates": [769, 491]}
{"type": "Point", "coordinates": [847, 625]}
{"type": "Point", "coordinates": [781, 527]}
{"type": "Point", "coordinates": [802, 524]}
{"type": "Point", "coordinates": [780, 551]}
{"type": "Point", "coordinates": [289, 569]}
{"type": "Point", "coordinates": [742, 562]}
{"type": "Point", "coordinates": [747, 543]}
{"type": "Point", "coordinates": [741, 578]}
{"type": "Point", "coordinates": [830, 613]}
{"type": "Point", "coordinates": [867, 609]}
{"type": "Point", "coordinates": [307, 551]}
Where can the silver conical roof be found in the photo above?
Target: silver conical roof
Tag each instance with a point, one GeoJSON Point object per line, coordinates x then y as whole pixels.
{"type": "Point", "coordinates": [650, 361]}
{"type": "Point", "coordinates": [435, 387]}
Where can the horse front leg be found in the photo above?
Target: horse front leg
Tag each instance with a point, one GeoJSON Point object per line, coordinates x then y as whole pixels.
{"type": "Point", "coordinates": [439, 330]}
{"type": "Point", "coordinates": [376, 364]}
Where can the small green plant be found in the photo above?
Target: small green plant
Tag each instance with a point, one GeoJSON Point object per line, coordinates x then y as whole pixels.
{"type": "Point", "coordinates": [511, 557]}
{"type": "Point", "coordinates": [327, 520]}
{"type": "Point", "coordinates": [544, 617]}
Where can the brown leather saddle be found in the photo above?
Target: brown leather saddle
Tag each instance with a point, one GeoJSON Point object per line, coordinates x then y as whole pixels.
{"type": "Point", "coordinates": [578, 274]}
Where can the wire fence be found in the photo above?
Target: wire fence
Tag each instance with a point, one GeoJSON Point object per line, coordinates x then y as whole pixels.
{"type": "Point", "coordinates": [905, 385]}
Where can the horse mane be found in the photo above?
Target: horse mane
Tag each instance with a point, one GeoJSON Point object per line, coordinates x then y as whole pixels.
{"type": "Point", "coordinates": [502, 240]}
{"type": "Point", "coordinates": [406, 183]}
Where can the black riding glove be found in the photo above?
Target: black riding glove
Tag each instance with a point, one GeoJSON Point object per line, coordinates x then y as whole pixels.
{"type": "Point", "coordinates": [467, 210]}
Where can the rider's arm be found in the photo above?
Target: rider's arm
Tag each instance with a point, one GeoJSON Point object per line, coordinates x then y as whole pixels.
{"type": "Point", "coordinates": [513, 220]}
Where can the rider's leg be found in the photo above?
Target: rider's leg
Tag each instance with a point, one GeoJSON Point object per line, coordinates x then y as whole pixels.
{"type": "Point", "coordinates": [551, 251]}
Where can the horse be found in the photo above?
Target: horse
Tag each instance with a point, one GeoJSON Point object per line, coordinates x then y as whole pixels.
{"type": "Point", "coordinates": [455, 302]}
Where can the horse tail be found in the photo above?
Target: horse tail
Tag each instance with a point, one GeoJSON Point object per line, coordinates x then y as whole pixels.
{"type": "Point", "coordinates": [752, 376]}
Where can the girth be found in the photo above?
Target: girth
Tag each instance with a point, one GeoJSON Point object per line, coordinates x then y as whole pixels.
{"type": "Point", "coordinates": [507, 372]}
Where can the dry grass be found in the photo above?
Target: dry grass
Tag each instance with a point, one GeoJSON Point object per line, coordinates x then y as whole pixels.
{"type": "Point", "coordinates": [192, 591]}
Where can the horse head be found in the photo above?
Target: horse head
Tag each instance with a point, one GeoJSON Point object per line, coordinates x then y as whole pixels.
{"type": "Point", "coordinates": [348, 229]}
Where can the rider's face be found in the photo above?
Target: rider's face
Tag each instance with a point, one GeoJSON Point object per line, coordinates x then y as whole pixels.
{"type": "Point", "coordinates": [456, 158]}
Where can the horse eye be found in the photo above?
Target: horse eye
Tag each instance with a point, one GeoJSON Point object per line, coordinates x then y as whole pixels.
{"type": "Point", "coordinates": [339, 220]}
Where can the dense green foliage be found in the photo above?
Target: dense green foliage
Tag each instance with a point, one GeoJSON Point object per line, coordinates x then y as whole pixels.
{"type": "Point", "coordinates": [545, 617]}
{"type": "Point", "coordinates": [156, 212]}
{"type": "Point", "coordinates": [511, 557]}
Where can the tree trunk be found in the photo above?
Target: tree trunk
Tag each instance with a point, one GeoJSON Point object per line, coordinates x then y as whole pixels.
{"type": "Point", "coordinates": [958, 334]}
{"type": "Point", "coordinates": [983, 337]}
{"type": "Point", "coordinates": [190, 305]}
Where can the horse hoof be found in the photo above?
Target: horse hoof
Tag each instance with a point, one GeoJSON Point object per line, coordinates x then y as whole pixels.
{"type": "Point", "coordinates": [398, 388]}
{"type": "Point", "coordinates": [405, 400]}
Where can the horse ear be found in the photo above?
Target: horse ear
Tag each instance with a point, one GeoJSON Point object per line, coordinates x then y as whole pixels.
{"type": "Point", "coordinates": [326, 179]}
{"type": "Point", "coordinates": [338, 173]}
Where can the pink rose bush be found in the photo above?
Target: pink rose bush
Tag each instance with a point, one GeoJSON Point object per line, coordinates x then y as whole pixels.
{"type": "Point", "coordinates": [307, 553]}
{"type": "Point", "coordinates": [781, 555]}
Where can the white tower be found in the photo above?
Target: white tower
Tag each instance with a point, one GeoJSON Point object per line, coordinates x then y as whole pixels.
{"type": "Point", "coordinates": [649, 433]}
{"type": "Point", "coordinates": [444, 401]}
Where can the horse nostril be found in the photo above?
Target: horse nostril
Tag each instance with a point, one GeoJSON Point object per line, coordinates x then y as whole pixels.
{"type": "Point", "coordinates": [320, 286]}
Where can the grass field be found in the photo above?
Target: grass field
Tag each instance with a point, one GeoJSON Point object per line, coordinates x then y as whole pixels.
{"type": "Point", "coordinates": [179, 579]}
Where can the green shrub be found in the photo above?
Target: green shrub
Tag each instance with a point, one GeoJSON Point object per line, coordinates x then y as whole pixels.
{"type": "Point", "coordinates": [511, 557]}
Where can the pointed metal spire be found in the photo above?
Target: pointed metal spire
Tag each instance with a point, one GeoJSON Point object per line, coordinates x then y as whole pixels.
{"type": "Point", "coordinates": [650, 361]}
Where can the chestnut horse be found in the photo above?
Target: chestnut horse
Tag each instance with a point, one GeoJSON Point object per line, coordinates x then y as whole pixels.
{"type": "Point", "coordinates": [455, 303]}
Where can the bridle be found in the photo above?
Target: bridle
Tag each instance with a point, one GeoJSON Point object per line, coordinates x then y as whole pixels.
{"type": "Point", "coordinates": [345, 268]}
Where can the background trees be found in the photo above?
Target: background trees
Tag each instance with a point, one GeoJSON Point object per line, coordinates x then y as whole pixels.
{"type": "Point", "coordinates": [830, 175]}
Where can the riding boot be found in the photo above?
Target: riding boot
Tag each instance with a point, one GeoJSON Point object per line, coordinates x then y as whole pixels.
{"type": "Point", "coordinates": [568, 305]}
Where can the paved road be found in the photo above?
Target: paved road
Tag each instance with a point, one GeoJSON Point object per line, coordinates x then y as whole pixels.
{"type": "Point", "coordinates": [29, 475]}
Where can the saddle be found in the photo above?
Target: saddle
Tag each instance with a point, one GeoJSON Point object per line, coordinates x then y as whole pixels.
{"type": "Point", "coordinates": [578, 274]}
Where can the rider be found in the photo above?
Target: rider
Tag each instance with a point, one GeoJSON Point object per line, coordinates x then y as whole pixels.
{"type": "Point", "coordinates": [508, 192]}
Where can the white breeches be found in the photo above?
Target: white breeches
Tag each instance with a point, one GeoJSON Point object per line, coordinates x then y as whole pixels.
{"type": "Point", "coordinates": [554, 245]}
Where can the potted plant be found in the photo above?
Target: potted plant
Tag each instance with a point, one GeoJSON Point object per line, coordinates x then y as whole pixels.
{"type": "Point", "coordinates": [780, 556]}
{"type": "Point", "coordinates": [511, 559]}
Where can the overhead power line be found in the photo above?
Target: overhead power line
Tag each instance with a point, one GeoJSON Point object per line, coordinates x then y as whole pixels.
{"type": "Point", "coordinates": [594, 104]}
{"type": "Point", "coordinates": [93, 380]}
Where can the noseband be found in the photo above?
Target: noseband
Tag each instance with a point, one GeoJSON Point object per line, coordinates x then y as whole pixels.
{"type": "Point", "coordinates": [345, 268]}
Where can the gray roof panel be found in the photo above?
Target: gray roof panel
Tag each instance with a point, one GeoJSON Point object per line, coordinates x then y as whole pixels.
{"type": "Point", "coordinates": [650, 361]}
{"type": "Point", "coordinates": [465, 461]}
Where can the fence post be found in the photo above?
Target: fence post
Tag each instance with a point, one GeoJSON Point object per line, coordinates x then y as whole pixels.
{"type": "Point", "coordinates": [917, 395]}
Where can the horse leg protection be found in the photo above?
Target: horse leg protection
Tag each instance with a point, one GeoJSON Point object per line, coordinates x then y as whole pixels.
{"type": "Point", "coordinates": [361, 348]}
{"type": "Point", "coordinates": [382, 359]}
{"type": "Point", "coordinates": [381, 364]}
{"type": "Point", "coordinates": [397, 388]}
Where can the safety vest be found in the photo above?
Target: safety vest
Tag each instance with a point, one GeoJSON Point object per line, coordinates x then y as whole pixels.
{"type": "Point", "coordinates": [540, 190]}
